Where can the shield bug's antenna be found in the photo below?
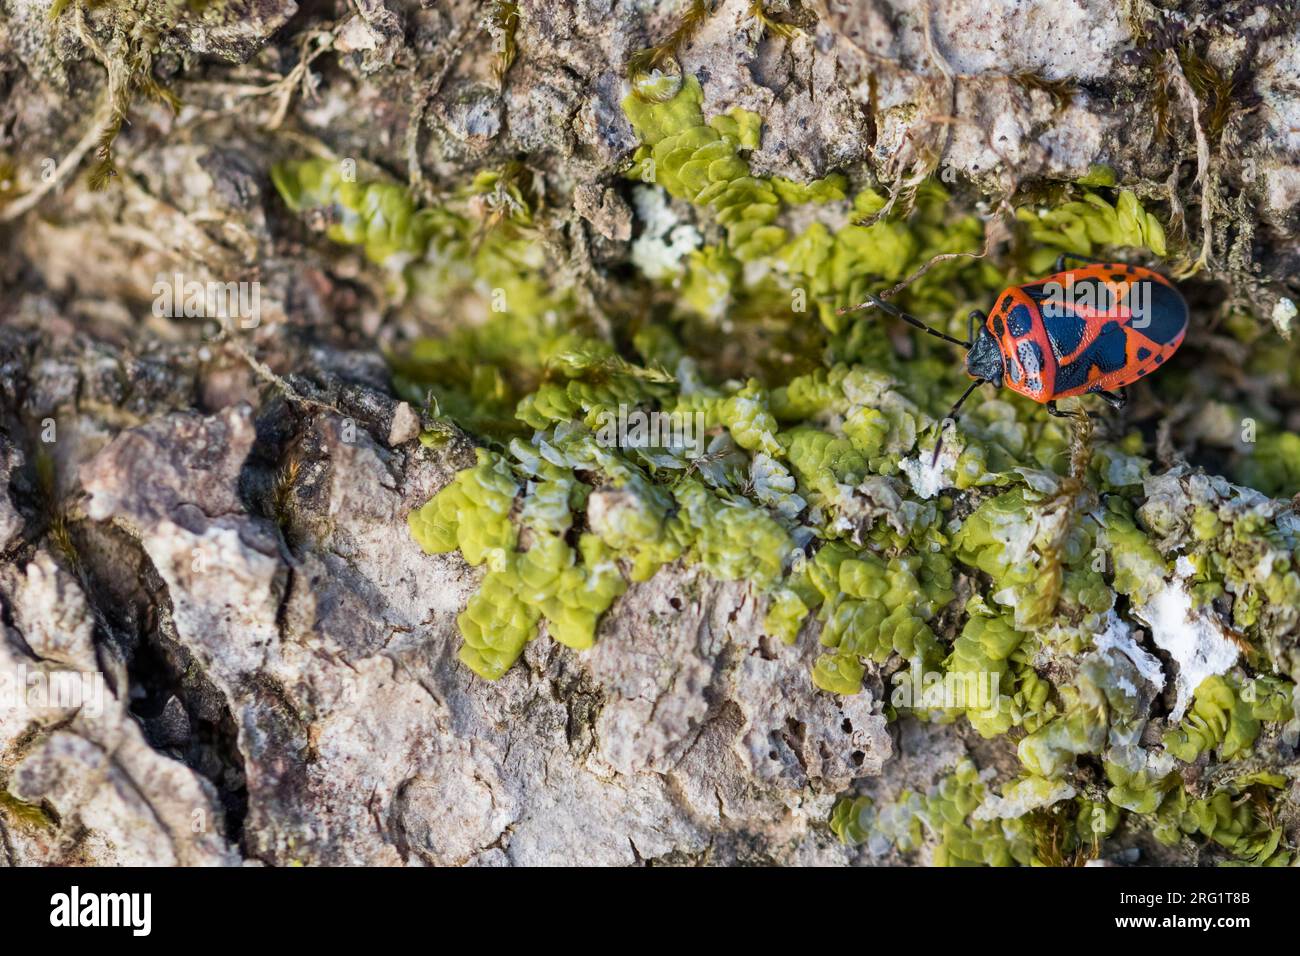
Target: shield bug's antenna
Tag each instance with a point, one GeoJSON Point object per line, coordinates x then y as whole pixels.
{"type": "Point", "coordinates": [909, 319]}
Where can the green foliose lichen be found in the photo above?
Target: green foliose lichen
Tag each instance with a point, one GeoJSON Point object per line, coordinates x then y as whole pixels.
{"type": "Point", "coordinates": [1225, 716]}
{"type": "Point", "coordinates": [544, 581]}
{"type": "Point", "coordinates": [1091, 223]}
{"type": "Point", "coordinates": [701, 162]}
{"type": "Point", "coordinates": [1238, 817]}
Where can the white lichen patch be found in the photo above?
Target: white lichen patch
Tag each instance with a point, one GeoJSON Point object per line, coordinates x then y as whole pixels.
{"type": "Point", "coordinates": [664, 239]}
{"type": "Point", "coordinates": [1155, 762]}
{"type": "Point", "coordinates": [1021, 797]}
{"type": "Point", "coordinates": [774, 486]}
{"type": "Point", "coordinates": [1283, 315]}
{"type": "Point", "coordinates": [1123, 470]}
{"type": "Point", "coordinates": [1192, 636]}
{"type": "Point", "coordinates": [929, 475]}
{"type": "Point", "coordinates": [1117, 635]}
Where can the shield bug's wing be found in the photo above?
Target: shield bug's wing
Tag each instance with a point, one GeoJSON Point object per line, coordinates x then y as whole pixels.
{"type": "Point", "coordinates": [1110, 325]}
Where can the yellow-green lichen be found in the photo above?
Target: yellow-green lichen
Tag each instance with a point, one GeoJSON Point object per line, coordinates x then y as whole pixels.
{"type": "Point", "coordinates": [1226, 714]}
{"type": "Point", "coordinates": [1239, 817]}
{"type": "Point", "coordinates": [1091, 223]}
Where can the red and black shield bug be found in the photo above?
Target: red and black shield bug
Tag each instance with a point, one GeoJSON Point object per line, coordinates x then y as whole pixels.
{"type": "Point", "coordinates": [1085, 331]}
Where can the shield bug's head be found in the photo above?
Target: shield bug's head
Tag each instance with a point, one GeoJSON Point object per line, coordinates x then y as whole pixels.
{"type": "Point", "coordinates": [984, 360]}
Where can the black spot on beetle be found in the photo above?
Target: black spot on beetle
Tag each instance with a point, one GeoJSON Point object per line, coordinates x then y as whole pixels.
{"type": "Point", "coordinates": [1105, 353]}
{"type": "Point", "coordinates": [1143, 354]}
{"type": "Point", "coordinates": [1065, 333]}
{"type": "Point", "coordinates": [1019, 321]}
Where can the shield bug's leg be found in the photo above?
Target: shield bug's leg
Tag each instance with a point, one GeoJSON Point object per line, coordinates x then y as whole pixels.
{"type": "Point", "coordinates": [951, 418]}
{"type": "Point", "coordinates": [1114, 399]}
{"type": "Point", "coordinates": [1057, 413]}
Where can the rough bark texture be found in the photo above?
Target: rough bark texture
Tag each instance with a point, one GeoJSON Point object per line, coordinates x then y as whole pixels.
{"type": "Point", "coordinates": [217, 525]}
